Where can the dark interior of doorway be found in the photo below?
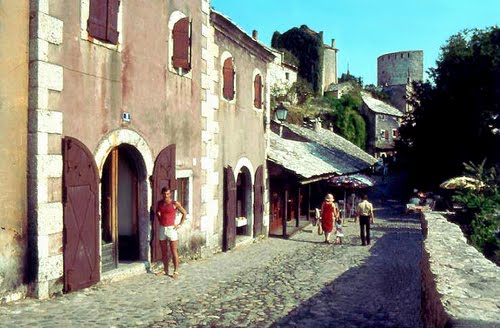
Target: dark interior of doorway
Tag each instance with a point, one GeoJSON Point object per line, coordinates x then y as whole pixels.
{"type": "Point", "coordinates": [120, 174]}
{"type": "Point", "coordinates": [241, 201]}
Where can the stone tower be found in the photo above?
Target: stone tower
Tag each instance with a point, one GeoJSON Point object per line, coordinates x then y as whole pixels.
{"type": "Point", "coordinates": [396, 71]}
{"type": "Point", "coordinates": [329, 73]}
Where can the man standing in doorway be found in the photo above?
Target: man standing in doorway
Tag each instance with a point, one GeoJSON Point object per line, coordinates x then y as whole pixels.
{"type": "Point", "coordinates": [365, 214]}
{"type": "Point", "coordinates": [166, 210]}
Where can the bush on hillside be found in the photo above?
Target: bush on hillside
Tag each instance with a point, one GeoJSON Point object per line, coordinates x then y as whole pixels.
{"type": "Point", "coordinates": [480, 219]}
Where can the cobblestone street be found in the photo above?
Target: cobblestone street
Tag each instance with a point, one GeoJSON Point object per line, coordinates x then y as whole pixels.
{"type": "Point", "coordinates": [274, 282]}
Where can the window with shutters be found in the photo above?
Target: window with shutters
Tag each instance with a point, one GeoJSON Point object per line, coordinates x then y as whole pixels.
{"type": "Point", "coordinates": [181, 39]}
{"type": "Point", "coordinates": [228, 79]}
{"type": "Point", "coordinates": [102, 21]}
{"type": "Point", "coordinates": [382, 134]}
{"type": "Point", "coordinates": [395, 133]}
{"type": "Point", "coordinates": [257, 91]}
{"type": "Point", "coordinates": [183, 192]}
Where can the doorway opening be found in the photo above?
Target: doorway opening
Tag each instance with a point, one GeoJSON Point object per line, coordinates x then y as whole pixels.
{"type": "Point", "coordinates": [122, 189]}
{"type": "Point", "coordinates": [244, 213]}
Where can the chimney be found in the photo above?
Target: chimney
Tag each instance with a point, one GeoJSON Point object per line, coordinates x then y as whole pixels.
{"type": "Point", "coordinates": [255, 34]}
{"type": "Point", "coordinates": [333, 43]}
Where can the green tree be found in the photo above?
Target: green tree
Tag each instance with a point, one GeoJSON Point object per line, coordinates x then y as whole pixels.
{"type": "Point", "coordinates": [481, 218]}
{"type": "Point", "coordinates": [345, 118]}
{"type": "Point", "coordinates": [455, 119]}
{"type": "Point", "coordinates": [307, 46]}
{"type": "Point", "coordinates": [346, 77]}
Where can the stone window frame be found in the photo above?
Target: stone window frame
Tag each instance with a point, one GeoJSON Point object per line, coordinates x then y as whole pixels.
{"type": "Point", "coordinates": [84, 34]}
{"type": "Point", "coordinates": [175, 16]}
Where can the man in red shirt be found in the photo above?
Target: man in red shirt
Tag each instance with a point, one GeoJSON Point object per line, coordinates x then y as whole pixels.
{"type": "Point", "coordinates": [166, 210]}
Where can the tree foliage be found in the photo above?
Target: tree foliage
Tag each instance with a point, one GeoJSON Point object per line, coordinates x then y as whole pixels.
{"type": "Point", "coordinates": [481, 218]}
{"type": "Point", "coordinates": [346, 77]}
{"type": "Point", "coordinates": [345, 118]}
{"type": "Point", "coordinates": [307, 47]}
{"type": "Point", "coordinates": [455, 120]}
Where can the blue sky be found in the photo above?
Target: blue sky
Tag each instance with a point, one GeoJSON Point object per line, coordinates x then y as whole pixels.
{"type": "Point", "coordinates": [366, 29]}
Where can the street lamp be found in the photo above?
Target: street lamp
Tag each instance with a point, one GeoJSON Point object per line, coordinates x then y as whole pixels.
{"type": "Point", "coordinates": [280, 113]}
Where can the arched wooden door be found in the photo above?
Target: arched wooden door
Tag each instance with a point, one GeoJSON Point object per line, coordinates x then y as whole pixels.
{"type": "Point", "coordinates": [163, 176]}
{"type": "Point", "coordinates": [258, 202]}
{"type": "Point", "coordinates": [229, 226]}
{"type": "Point", "coordinates": [81, 216]}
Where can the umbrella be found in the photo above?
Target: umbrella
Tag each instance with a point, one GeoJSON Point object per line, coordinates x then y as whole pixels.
{"type": "Point", "coordinates": [353, 181]}
{"type": "Point", "coordinates": [462, 182]}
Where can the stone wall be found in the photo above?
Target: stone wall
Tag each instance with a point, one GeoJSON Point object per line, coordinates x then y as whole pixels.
{"type": "Point", "coordinates": [14, 18]}
{"type": "Point", "coordinates": [329, 73]}
{"type": "Point", "coordinates": [460, 287]}
{"type": "Point", "coordinates": [397, 67]}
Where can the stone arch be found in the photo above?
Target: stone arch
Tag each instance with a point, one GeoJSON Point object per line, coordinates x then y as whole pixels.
{"type": "Point", "coordinates": [244, 162]}
{"type": "Point", "coordinates": [173, 19]}
{"type": "Point", "coordinates": [123, 136]}
{"type": "Point", "coordinates": [145, 163]}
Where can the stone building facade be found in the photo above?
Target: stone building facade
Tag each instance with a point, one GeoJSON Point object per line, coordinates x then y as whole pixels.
{"type": "Point", "coordinates": [329, 72]}
{"type": "Point", "coordinates": [14, 66]}
{"type": "Point", "coordinates": [382, 122]}
{"type": "Point", "coordinates": [241, 84]}
{"type": "Point", "coordinates": [113, 99]}
{"type": "Point", "coordinates": [124, 99]}
{"type": "Point", "coordinates": [281, 74]}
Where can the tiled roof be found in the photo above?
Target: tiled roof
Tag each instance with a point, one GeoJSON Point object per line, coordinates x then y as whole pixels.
{"type": "Point", "coordinates": [323, 154]}
{"type": "Point", "coordinates": [306, 159]}
{"type": "Point", "coordinates": [379, 106]}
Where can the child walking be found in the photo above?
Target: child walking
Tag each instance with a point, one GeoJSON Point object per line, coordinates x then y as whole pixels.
{"type": "Point", "coordinates": [339, 233]}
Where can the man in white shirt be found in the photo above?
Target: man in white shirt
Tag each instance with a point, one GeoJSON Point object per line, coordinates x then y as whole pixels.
{"type": "Point", "coordinates": [365, 214]}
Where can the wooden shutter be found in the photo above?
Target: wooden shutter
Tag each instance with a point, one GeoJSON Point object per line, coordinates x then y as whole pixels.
{"type": "Point", "coordinates": [257, 86]}
{"type": "Point", "coordinates": [387, 134]}
{"type": "Point", "coordinates": [96, 25]}
{"type": "Point", "coordinates": [80, 216]}
{"type": "Point", "coordinates": [258, 204]}
{"type": "Point", "coordinates": [112, 26]}
{"type": "Point", "coordinates": [228, 77]}
{"type": "Point", "coordinates": [229, 226]}
{"type": "Point", "coordinates": [181, 40]}
{"type": "Point", "coordinates": [163, 176]}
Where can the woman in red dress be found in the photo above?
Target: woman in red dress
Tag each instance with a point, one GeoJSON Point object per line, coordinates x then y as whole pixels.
{"type": "Point", "coordinates": [329, 213]}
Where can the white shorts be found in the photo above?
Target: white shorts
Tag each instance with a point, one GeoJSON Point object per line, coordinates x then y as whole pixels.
{"type": "Point", "coordinates": [168, 233]}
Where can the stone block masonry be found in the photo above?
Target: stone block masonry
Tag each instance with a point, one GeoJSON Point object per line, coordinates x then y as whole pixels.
{"type": "Point", "coordinates": [45, 214]}
{"type": "Point", "coordinates": [460, 287]}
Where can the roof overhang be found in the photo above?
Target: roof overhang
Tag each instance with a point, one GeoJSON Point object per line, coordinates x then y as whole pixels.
{"type": "Point", "coordinates": [231, 31]}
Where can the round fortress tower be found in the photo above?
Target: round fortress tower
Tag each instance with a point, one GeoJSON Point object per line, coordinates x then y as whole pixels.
{"type": "Point", "coordinates": [396, 68]}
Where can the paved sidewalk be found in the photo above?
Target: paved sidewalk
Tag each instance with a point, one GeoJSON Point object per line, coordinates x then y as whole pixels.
{"type": "Point", "coordinates": [274, 282]}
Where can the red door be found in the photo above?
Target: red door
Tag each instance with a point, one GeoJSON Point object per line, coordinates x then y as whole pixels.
{"type": "Point", "coordinates": [229, 227]}
{"type": "Point", "coordinates": [258, 203]}
{"type": "Point", "coordinates": [163, 176]}
{"type": "Point", "coordinates": [81, 216]}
